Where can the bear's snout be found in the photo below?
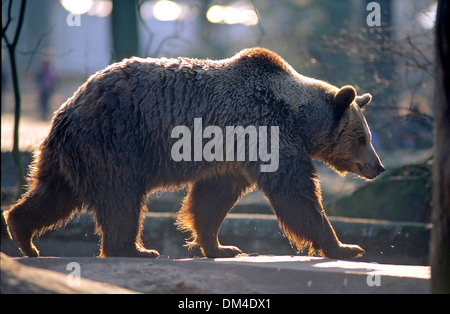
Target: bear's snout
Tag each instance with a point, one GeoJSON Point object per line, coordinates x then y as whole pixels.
{"type": "Point", "coordinates": [370, 171]}
{"type": "Point", "coordinates": [380, 169]}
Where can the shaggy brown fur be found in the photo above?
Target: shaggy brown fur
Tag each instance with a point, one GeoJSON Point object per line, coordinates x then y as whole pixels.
{"type": "Point", "coordinates": [110, 145]}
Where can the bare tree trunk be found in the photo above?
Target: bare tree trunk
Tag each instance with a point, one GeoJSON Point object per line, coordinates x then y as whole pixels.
{"type": "Point", "coordinates": [440, 241]}
{"type": "Point", "coordinates": [124, 25]}
{"type": "Point", "coordinates": [11, 46]}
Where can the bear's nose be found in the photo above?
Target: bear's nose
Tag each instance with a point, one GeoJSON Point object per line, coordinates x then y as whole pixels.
{"type": "Point", "coordinates": [380, 169]}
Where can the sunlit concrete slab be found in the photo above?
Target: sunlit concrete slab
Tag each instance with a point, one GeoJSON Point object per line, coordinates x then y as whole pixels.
{"type": "Point", "coordinates": [244, 274]}
{"type": "Point", "coordinates": [305, 263]}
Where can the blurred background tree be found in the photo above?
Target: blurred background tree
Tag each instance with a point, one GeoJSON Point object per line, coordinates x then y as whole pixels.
{"type": "Point", "coordinates": [440, 242]}
{"type": "Point", "coordinates": [124, 29]}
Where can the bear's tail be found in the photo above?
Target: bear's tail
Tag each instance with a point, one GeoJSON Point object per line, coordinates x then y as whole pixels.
{"type": "Point", "coordinates": [50, 201]}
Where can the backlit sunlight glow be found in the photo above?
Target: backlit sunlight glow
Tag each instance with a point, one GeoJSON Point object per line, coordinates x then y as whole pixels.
{"type": "Point", "coordinates": [232, 15]}
{"type": "Point", "coordinates": [166, 10]}
{"type": "Point", "coordinates": [77, 6]}
{"type": "Point", "coordinates": [101, 8]}
{"type": "Point", "coordinates": [427, 19]}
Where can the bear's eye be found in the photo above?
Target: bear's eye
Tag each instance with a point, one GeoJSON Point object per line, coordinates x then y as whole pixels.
{"type": "Point", "coordinates": [362, 140]}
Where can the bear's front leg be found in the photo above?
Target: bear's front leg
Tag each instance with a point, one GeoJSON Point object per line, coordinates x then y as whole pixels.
{"type": "Point", "coordinates": [304, 222]}
{"type": "Point", "coordinates": [294, 194]}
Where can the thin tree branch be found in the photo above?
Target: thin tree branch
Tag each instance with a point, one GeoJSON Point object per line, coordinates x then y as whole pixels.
{"type": "Point", "coordinates": [19, 23]}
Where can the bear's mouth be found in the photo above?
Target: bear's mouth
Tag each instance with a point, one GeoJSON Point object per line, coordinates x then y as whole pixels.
{"type": "Point", "coordinates": [360, 168]}
{"type": "Point", "coordinates": [363, 171]}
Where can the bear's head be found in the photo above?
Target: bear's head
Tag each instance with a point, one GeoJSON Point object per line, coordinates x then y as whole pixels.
{"type": "Point", "coordinates": [351, 149]}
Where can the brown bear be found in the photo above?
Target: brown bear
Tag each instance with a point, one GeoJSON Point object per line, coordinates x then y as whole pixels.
{"type": "Point", "coordinates": [112, 143]}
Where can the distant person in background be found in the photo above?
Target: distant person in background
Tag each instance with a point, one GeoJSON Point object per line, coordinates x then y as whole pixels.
{"type": "Point", "coordinates": [45, 79]}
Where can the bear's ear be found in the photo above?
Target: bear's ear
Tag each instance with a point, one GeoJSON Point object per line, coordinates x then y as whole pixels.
{"type": "Point", "coordinates": [363, 100]}
{"type": "Point", "coordinates": [343, 98]}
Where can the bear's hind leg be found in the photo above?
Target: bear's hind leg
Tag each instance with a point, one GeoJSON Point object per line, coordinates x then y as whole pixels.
{"type": "Point", "coordinates": [204, 210]}
{"type": "Point", "coordinates": [48, 204]}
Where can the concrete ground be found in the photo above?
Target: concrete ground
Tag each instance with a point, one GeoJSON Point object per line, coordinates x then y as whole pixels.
{"type": "Point", "coordinates": [244, 274]}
